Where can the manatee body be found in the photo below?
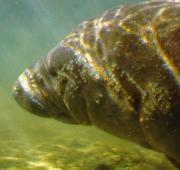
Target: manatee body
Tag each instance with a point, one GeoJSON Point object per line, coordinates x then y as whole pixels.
{"type": "Point", "coordinates": [119, 72]}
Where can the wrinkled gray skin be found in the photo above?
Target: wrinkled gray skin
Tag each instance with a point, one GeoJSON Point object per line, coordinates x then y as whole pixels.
{"type": "Point", "coordinates": [119, 72]}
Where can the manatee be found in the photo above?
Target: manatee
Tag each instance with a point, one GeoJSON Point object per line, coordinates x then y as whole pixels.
{"type": "Point", "coordinates": [119, 72]}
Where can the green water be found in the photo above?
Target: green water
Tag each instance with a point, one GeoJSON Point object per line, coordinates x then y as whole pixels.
{"type": "Point", "coordinates": [28, 30]}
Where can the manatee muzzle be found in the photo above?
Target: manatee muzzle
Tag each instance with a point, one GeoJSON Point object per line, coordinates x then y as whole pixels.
{"type": "Point", "coordinates": [26, 93]}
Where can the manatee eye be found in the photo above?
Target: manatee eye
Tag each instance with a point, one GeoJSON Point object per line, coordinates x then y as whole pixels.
{"type": "Point", "coordinates": [58, 57]}
{"type": "Point", "coordinates": [53, 72]}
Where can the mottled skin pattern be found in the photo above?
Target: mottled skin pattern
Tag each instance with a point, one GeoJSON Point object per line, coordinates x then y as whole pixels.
{"type": "Point", "coordinates": [119, 72]}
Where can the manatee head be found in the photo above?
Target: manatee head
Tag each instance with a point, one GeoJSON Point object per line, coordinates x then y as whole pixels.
{"type": "Point", "coordinates": [41, 89]}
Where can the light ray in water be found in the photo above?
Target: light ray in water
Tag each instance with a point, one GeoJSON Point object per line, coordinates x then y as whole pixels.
{"type": "Point", "coordinates": [45, 17]}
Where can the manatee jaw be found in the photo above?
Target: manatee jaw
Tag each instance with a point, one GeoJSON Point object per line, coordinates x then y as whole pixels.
{"type": "Point", "coordinates": [27, 94]}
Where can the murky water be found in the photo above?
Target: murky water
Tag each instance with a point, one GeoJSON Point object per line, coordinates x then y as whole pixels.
{"type": "Point", "coordinates": [28, 30]}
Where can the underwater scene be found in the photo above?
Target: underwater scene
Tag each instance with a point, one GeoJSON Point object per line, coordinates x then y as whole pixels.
{"type": "Point", "coordinates": [29, 29]}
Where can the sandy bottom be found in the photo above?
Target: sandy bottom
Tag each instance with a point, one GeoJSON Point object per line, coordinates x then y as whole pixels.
{"type": "Point", "coordinates": [78, 154]}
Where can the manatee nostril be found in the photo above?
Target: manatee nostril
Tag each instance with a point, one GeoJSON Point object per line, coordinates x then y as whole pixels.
{"type": "Point", "coordinates": [39, 80]}
{"type": "Point", "coordinates": [16, 89]}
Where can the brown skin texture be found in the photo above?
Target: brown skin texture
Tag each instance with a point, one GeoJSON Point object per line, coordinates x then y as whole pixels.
{"type": "Point", "coordinates": [119, 72]}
